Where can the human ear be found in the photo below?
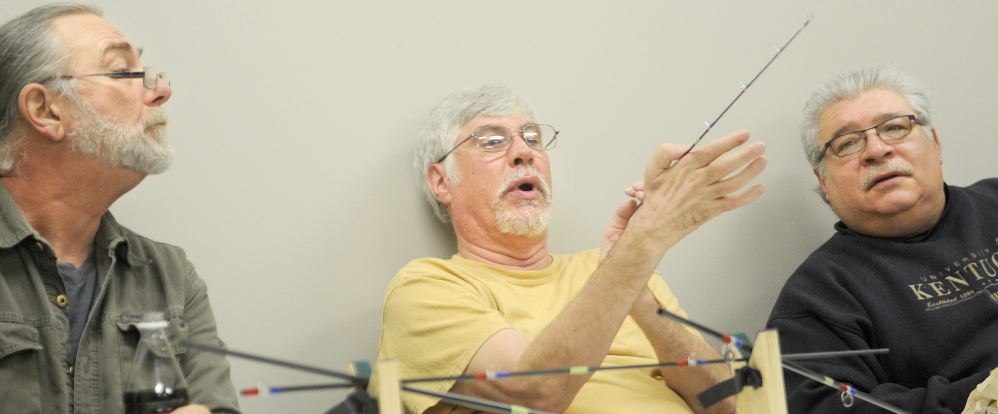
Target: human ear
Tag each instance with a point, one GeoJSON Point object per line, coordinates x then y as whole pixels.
{"type": "Point", "coordinates": [821, 182]}
{"type": "Point", "coordinates": [936, 143]}
{"type": "Point", "coordinates": [438, 183]}
{"type": "Point", "coordinates": [42, 110]}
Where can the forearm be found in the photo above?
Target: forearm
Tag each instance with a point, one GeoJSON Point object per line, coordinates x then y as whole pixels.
{"type": "Point", "coordinates": [672, 342]}
{"type": "Point", "coordinates": [580, 336]}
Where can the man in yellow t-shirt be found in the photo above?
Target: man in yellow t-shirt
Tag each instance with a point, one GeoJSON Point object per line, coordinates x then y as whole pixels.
{"type": "Point", "coordinates": [504, 303]}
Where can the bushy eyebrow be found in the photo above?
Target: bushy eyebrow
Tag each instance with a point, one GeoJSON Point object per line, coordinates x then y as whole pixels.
{"type": "Point", "coordinates": [124, 47]}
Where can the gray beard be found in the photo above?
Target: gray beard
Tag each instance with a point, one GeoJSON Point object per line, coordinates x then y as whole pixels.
{"type": "Point", "coordinates": [528, 217]}
{"type": "Point", "coordinates": [520, 221]}
{"type": "Point", "coordinates": [98, 136]}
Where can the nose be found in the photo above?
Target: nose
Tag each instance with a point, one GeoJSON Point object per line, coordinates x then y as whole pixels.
{"type": "Point", "coordinates": [159, 95]}
{"type": "Point", "coordinates": [519, 152]}
{"type": "Point", "coordinates": [876, 149]}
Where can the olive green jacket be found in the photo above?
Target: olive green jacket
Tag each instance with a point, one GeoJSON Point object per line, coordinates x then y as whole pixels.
{"type": "Point", "coordinates": [135, 275]}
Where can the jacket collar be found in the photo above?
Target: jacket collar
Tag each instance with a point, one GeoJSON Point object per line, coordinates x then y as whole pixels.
{"type": "Point", "coordinates": [14, 228]}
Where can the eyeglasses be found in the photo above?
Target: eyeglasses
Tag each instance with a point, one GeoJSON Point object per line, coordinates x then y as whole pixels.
{"type": "Point", "coordinates": [149, 76]}
{"type": "Point", "coordinates": [497, 138]}
{"type": "Point", "coordinates": [852, 142]}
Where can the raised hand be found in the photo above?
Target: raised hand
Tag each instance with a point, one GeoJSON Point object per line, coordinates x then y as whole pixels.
{"type": "Point", "coordinates": [679, 195]}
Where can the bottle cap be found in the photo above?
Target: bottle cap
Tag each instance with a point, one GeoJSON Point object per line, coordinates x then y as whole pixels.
{"type": "Point", "coordinates": [152, 321]}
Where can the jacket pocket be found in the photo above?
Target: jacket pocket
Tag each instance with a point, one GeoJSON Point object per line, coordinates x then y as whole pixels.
{"type": "Point", "coordinates": [16, 337]}
{"type": "Point", "coordinates": [128, 335]}
{"type": "Point", "coordinates": [20, 363]}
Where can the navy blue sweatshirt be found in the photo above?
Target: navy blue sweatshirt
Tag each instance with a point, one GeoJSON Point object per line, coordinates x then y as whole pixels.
{"type": "Point", "coordinates": [932, 299]}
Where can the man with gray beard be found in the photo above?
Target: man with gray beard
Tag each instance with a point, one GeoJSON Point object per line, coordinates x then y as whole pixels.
{"type": "Point", "coordinates": [912, 265]}
{"type": "Point", "coordinates": [81, 124]}
{"type": "Point", "coordinates": [504, 303]}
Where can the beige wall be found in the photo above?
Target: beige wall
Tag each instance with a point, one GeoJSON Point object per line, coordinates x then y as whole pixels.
{"type": "Point", "coordinates": [293, 123]}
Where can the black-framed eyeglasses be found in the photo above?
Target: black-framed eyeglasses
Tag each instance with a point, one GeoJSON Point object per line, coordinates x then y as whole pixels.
{"type": "Point", "coordinates": [497, 138]}
{"type": "Point", "coordinates": [852, 142]}
{"type": "Point", "coordinates": [149, 76]}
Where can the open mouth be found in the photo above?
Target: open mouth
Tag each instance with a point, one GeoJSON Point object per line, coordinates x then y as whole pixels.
{"type": "Point", "coordinates": [524, 184]}
{"type": "Point", "coordinates": [527, 188]}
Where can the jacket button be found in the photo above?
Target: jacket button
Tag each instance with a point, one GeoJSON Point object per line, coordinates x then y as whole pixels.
{"type": "Point", "coordinates": [70, 370]}
{"type": "Point", "coordinates": [41, 247]}
{"type": "Point", "coordinates": [61, 301]}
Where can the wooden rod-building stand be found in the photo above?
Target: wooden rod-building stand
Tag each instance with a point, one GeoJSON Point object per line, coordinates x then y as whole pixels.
{"type": "Point", "coordinates": [769, 398]}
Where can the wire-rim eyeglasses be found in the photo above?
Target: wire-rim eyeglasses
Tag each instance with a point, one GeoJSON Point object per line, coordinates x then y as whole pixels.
{"type": "Point", "coordinates": [149, 76]}
{"type": "Point", "coordinates": [497, 138]}
{"type": "Point", "coordinates": [849, 143]}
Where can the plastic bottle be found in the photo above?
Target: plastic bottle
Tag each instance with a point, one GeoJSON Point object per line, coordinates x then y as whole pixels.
{"type": "Point", "coordinates": [156, 384]}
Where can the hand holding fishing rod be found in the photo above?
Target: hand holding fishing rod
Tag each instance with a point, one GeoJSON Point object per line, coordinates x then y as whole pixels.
{"type": "Point", "coordinates": [682, 196]}
{"type": "Point", "coordinates": [678, 197]}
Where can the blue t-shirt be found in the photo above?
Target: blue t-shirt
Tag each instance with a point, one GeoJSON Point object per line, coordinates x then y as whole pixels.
{"type": "Point", "coordinates": [81, 289]}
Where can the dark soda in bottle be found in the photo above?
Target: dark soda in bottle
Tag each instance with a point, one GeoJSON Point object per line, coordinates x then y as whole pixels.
{"type": "Point", "coordinates": [153, 402]}
{"type": "Point", "coordinates": [155, 383]}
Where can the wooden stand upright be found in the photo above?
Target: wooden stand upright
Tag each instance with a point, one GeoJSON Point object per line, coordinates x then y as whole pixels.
{"type": "Point", "coordinates": [770, 398]}
{"type": "Point", "coordinates": [389, 400]}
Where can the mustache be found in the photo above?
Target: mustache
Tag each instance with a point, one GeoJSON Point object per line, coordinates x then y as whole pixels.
{"type": "Point", "coordinates": [156, 117]}
{"type": "Point", "coordinates": [891, 165]}
{"type": "Point", "coordinates": [521, 173]}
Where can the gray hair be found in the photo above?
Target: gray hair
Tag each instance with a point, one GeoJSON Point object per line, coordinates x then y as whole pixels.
{"type": "Point", "coordinates": [29, 52]}
{"type": "Point", "coordinates": [439, 132]}
{"type": "Point", "coordinates": [850, 85]}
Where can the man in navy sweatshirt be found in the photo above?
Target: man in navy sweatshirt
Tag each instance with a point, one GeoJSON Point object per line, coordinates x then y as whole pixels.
{"type": "Point", "coordinates": [911, 267]}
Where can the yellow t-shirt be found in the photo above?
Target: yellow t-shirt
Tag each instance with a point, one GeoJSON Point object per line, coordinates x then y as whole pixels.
{"type": "Point", "coordinates": [438, 313]}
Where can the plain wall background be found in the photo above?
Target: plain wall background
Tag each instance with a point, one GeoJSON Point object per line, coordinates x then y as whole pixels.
{"type": "Point", "coordinates": [293, 121]}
